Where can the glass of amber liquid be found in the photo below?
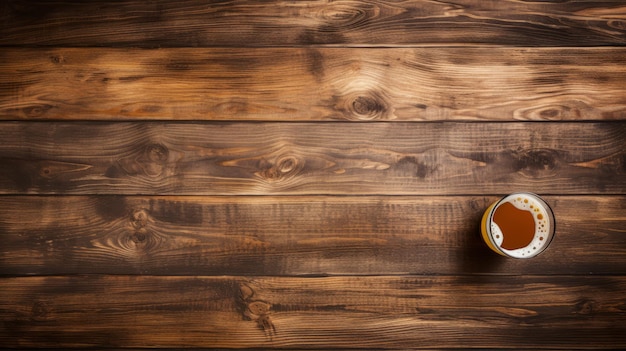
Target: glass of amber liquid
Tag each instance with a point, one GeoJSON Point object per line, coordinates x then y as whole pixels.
{"type": "Point", "coordinates": [520, 225]}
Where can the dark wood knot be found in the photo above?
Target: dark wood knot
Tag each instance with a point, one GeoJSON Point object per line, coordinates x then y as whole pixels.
{"type": "Point", "coordinates": [585, 306]}
{"type": "Point", "coordinates": [258, 308]}
{"type": "Point", "coordinates": [157, 153]}
{"type": "Point", "coordinates": [57, 59]}
{"type": "Point", "coordinates": [139, 221]}
{"type": "Point", "coordinates": [154, 160]}
{"type": "Point", "coordinates": [343, 14]}
{"type": "Point", "coordinates": [367, 107]}
{"type": "Point", "coordinates": [141, 241]}
{"type": "Point", "coordinates": [139, 236]}
{"type": "Point", "coordinates": [45, 172]}
{"type": "Point", "coordinates": [40, 311]}
{"type": "Point", "coordinates": [559, 112]}
{"type": "Point", "coordinates": [287, 164]}
{"type": "Point", "coordinates": [617, 24]}
{"type": "Point", "coordinates": [255, 309]}
{"type": "Point", "coordinates": [139, 218]}
{"type": "Point", "coordinates": [550, 113]}
{"type": "Point", "coordinates": [36, 110]}
{"type": "Point", "coordinates": [283, 168]}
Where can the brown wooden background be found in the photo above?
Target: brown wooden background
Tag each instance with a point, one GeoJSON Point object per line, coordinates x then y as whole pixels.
{"type": "Point", "coordinates": [308, 174]}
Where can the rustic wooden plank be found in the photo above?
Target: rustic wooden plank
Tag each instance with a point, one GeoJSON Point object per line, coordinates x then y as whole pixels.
{"type": "Point", "coordinates": [291, 84]}
{"type": "Point", "coordinates": [339, 312]}
{"type": "Point", "coordinates": [285, 23]}
{"type": "Point", "coordinates": [293, 236]}
{"type": "Point", "coordinates": [312, 158]}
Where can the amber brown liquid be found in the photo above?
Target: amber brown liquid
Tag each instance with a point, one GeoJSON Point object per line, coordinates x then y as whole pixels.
{"type": "Point", "coordinates": [517, 226]}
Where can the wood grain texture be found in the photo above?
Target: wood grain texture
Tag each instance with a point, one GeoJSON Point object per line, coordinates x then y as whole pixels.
{"type": "Point", "coordinates": [196, 23]}
{"type": "Point", "coordinates": [272, 174]}
{"type": "Point", "coordinates": [339, 312]}
{"type": "Point", "coordinates": [312, 158]}
{"type": "Point", "coordinates": [324, 84]}
{"type": "Point", "coordinates": [293, 236]}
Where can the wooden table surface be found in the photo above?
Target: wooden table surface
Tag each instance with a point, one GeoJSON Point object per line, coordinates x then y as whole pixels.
{"type": "Point", "coordinates": [308, 174]}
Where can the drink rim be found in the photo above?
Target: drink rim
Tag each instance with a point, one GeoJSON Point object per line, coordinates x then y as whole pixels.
{"type": "Point", "coordinates": [551, 233]}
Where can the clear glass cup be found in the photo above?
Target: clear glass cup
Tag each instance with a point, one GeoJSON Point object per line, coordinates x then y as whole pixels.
{"type": "Point", "coordinates": [519, 225]}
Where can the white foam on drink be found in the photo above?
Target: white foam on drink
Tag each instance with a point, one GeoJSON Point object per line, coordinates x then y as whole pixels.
{"type": "Point", "coordinates": [496, 234]}
{"type": "Point", "coordinates": [542, 226]}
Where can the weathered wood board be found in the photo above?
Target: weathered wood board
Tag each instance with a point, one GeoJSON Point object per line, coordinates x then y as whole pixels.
{"type": "Point", "coordinates": [309, 84]}
{"type": "Point", "coordinates": [312, 158]}
{"type": "Point", "coordinates": [334, 312]}
{"type": "Point", "coordinates": [293, 235]}
{"type": "Point", "coordinates": [250, 23]}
